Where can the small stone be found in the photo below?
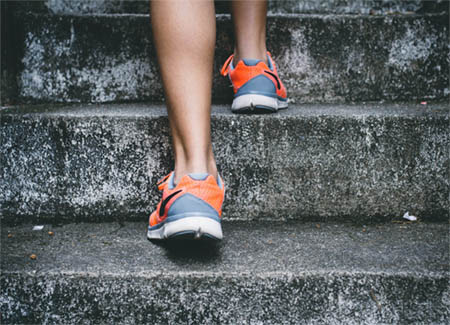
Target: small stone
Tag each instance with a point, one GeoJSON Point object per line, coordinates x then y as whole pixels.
{"type": "Point", "coordinates": [33, 256]}
{"type": "Point", "coordinates": [409, 217]}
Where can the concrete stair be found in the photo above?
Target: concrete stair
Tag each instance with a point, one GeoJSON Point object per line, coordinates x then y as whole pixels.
{"type": "Point", "coordinates": [262, 273]}
{"type": "Point", "coordinates": [310, 162]}
{"type": "Point", "coordinates": [315, 194]}
{"type": "Point", "coordinates": [83, 7]}
{"type": "Point", "coordinates": [321, 58]}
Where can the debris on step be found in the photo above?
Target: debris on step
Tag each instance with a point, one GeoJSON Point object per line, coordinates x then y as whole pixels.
{"type": "Point", "coordinates": [374, 298]}
{"type": "Point", "coordinates": [409, 217]}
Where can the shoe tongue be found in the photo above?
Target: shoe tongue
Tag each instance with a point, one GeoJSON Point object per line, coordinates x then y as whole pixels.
{"type": "Point", "coordinates": [171, 182]}
{"type": "Point", "coordinates": [251, 62]}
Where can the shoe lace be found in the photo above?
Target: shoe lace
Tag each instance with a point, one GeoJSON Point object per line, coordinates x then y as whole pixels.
{"type": "Point", "coordinates": [163, 181]}
{"type": "Point", "coordinates": [226, 66]}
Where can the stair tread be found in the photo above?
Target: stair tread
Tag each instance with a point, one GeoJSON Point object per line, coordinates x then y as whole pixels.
{"type": "Point", "coordinates": [275, 6]}
{"type": "Point", "coordinates": [294, 110]}
{"type": "Point", "coordinates": [248, 249]}
{"type": "Point", "coordinates": [227, 16]}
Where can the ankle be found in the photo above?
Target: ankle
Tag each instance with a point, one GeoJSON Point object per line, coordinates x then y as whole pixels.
{"type": "Point", "coordinates": [181, 171]}
{"type": "Point", "coordinates": [250, 54]}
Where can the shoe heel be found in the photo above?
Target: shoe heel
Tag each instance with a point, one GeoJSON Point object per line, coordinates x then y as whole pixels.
{"type": "Point", "coordinates": [254, 102]}
{"type": "Point", "coordinates": [195, 226]}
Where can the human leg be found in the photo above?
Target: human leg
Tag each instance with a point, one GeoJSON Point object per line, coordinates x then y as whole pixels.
{"type": "Point", "coordinates": [251, 70]}
{"type": "Point", "coordinates": [192, 196]}
{"type": "Point", "coordinates": [249, 20]}
{"type": "Point", "coordinates": [184, 34]}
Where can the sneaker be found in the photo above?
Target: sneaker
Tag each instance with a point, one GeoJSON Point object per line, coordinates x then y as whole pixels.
{"type": "Point", "coordinates": [257, 87]}
{"type": "Point", "coordinates": [191, 209]}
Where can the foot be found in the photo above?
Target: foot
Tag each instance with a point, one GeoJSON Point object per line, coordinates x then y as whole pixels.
{"type": "Point", "coordinates": [257, 87]}
{"type": "Point", "coordinates": [190, 209]}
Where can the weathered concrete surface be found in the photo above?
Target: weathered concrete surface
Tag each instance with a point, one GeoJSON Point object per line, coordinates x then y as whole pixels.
{"type": "Point", "coordinates": [81, 7]}
{"type": "Point", "coordinates": [357, 6]}
{"type": "Point", "coordinates": [267, 273]}
{"type": "Point", "coordinates": [312, 162]}
{"type": "Point", "coordinates": [320, 58]}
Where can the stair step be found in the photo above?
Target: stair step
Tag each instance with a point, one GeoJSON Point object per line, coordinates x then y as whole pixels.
{"type": "Point", "coordinates": [321, 58]}
{"type": "Point", "coordinates": [295, 273]}
{"type": "Point", "coordinates": [83, 7]}
{"type": "Point", "coordinates": [354, 163]}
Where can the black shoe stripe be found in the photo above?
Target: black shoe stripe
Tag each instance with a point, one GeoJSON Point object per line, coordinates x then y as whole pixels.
{"type": "Point", "coordinates": [276, 78]}
{"type": "Point", "coordinates": [166, 200]}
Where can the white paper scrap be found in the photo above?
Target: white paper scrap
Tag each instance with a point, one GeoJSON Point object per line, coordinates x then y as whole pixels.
{"type": "Point", "coordinates": [408, 217]}
{"type": "Point", "coordinates": [38, 227]}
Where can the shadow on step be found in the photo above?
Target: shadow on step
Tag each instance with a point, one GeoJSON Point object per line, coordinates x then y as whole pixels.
{"type": "Point", "coordinates": [188, 250]}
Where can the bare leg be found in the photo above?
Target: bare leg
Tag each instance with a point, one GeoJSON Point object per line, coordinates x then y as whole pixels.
{"type": "Point", "coordinates": [184, 33]}
{"type": "Point", "coordinates": [249, 18]}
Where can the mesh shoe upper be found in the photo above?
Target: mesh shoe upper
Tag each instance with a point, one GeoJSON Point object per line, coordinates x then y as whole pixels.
{"type": "Point", "coordinates": [247, 72]}
{"type": "Point", "coordinates": [195, 195]}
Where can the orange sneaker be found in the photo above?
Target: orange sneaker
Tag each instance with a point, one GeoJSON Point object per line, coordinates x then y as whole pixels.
{"type": "Point", "coordinates": [191, 209]}
{"type": "Point", "coordinates": [257, 87]}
